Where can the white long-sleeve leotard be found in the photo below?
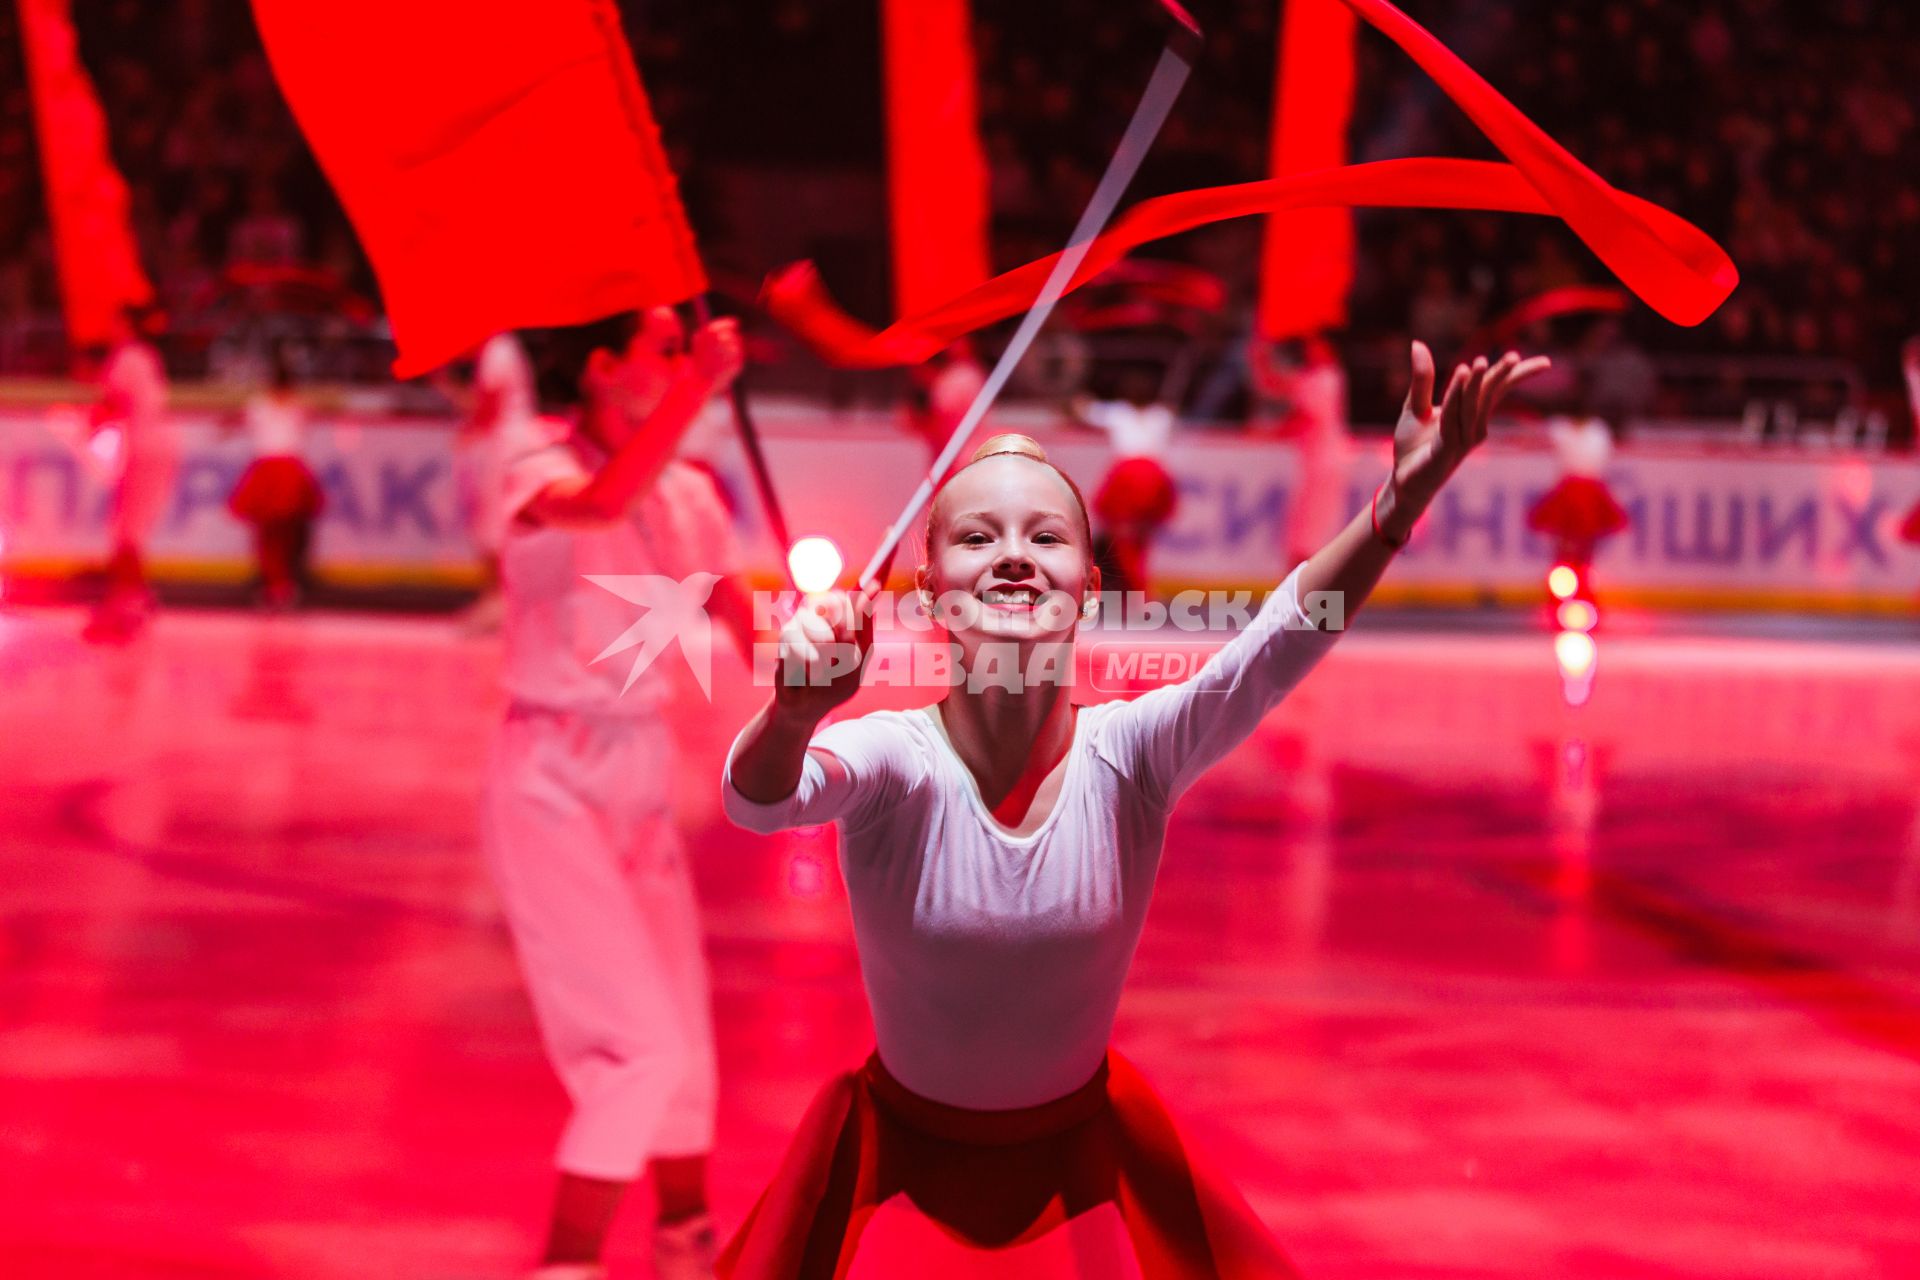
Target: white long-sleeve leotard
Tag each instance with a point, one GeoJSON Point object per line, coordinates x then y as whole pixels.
{"type": "Point", "coordinates": [994, 962]}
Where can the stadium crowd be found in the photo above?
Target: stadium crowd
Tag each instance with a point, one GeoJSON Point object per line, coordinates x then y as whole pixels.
{"type": "Point", "coordinates": [1790, 155]}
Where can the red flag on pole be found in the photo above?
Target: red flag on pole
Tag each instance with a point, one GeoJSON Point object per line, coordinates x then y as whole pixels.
{"type": "Point", "coordinates": [93, 245]}
{"type": "Point", "coordinates": [1307, 262]}
{"type": "Point", "coordinates": [936, 175]}
{"type": "Point", "coordinates": [499, 160]}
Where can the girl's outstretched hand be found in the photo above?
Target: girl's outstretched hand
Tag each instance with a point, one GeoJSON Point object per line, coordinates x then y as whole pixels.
{"type": "Point", "coordinates": [823, 649]}
{"type": "Point", "coordinates": [1429, 443]}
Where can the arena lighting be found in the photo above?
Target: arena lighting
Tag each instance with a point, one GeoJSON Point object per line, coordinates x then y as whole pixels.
{"type": "Point", "coordinates": [1577, 615]}
{"type": "Point", "coordinates": [1576, 654]}
{"type": "Point", "coordinates": [1563, 580]}
{"type": "Point", "coordinates": [815, 564]}
{"type": "Point", "coordinates": [1575, 651]}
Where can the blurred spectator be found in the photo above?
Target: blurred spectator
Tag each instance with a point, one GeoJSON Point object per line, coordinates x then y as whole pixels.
{"type": "Point", "coordinates": [1439, 314]}
{"type": "Point", "coordinates": [1622, 377]}
{"type": "Point", "coordinates": [267, 236]}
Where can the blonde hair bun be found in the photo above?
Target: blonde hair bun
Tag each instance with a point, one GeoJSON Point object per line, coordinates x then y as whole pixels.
{"type": "Point", "coordinates": [1009, 442]}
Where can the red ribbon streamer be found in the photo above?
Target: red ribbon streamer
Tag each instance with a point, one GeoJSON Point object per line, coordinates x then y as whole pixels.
{"type": "Point", "coordinates": [1672, 265]}
{"type": "Point", "coordinates": [1573, 299]}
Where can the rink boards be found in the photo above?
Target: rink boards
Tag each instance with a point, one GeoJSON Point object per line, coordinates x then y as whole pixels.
{"type": "Point", "coordinates": [1727, 527]}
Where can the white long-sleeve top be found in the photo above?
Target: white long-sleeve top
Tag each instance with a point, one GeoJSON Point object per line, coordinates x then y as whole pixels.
{"type": "Point", "coordinates": [994, 962]}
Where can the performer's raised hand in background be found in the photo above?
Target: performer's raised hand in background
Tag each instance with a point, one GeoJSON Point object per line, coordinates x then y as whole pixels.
{"type": "Point", "coordinates": [718, 353]}
{"type": "Point", "coordinates": [639, 404]}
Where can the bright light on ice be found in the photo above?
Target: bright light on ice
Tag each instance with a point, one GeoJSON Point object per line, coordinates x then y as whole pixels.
{"type": "Point", "coordinates": [1575, 651]}
{"type": "Point", "coordinates": [1577, 615]}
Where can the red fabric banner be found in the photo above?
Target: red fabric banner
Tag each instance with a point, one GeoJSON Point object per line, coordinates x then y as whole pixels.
{"type": "Point", "coordinates": [1306, 263]}
{"type": "Point", "coordinates": [87, 202]}
{"type": "Point", "coordinates": [499, 160]}
{"type": "Point", "coordinates": [936, 174]}
{"type": "Point", "coordinates": [1672, 265]}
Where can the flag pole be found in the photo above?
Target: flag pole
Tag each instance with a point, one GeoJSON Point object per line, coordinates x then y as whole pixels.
{"type": "Point", "coordinates": [653, 157]}
{"type": "Point", "coordinates": [1170, 73]}
{"type": "Point", "coordinates": [750, 440]}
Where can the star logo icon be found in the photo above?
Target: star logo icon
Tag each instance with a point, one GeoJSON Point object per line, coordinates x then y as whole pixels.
{"type": "Point", "coordinates": [675, 609]}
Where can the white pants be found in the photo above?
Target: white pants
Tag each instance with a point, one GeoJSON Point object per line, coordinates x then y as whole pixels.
{"type": "Point", "coordinates": [578, 831]}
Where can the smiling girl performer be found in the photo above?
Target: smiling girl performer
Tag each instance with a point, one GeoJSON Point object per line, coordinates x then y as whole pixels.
{"type": "Point", "coordinates": [999, 850]}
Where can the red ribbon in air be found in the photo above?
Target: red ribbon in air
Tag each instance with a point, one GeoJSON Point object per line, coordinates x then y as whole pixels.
{"type": "Point", "coordinates": [1670, 264]}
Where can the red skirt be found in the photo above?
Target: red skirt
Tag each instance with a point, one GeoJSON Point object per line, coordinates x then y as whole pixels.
{"type": "Point", "coordinates": [996, 1179]}
{"type": "Point", "coordinates": [1910, 527]}
{"type": "Point", "coordinates": [1136, 491]}
{"type": "Point", "coordinates": [272, 489]}
{"type": "Point", "coordinates": [1578, 509]}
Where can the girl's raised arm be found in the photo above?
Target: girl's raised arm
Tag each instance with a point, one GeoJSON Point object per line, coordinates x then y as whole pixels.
{"type": "Point", "coordinates": [777, 776]}
{"type": "Point", "coordinates": [1429, 445]}
{"type": "Point", "coordinates": [1168, 737]}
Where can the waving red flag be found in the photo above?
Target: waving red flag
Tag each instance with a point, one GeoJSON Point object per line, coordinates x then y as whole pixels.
{"type": "Point", "coordinates": [1670, 264]}
{"type": "Point", "coordinates": [499, 160]}
{"type": "Point", "coordinates": [1306, 260]}
{"type": "Point", "coordinates": [93, 245]}
{"type": "Point", "coordinates": [936, 174]}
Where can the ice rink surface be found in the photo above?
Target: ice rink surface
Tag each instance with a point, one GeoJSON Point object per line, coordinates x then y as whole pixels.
{"type": "Point", "coordinates": [1456, 980]}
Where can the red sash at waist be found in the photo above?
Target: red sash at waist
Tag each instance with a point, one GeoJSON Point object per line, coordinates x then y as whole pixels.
{"type": "Point", "coordinates": [984, 1128]}
{"type": "Point", "coordinates": [995, 1179]}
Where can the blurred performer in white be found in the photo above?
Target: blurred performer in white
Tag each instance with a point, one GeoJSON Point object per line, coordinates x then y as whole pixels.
{"type": "Point", "coordinates": [1579, 512]}
{"type": "Point", "coordinates": [942, 391]}
{"type": "Point", "coordinates": [499, 421]}
{"type": "Point", "coordinates": [133, 406]}
{"type": "Point", "coordinates": [1137, 497]}
{"type": "Point", "coordinates": [1303, 394]}
{"type": "Point", "coordinates": [577, 817]}
{"type": "Point", "coordinates": [278, 493]}
{"type": "Point", "coordinates": [628, 384]}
